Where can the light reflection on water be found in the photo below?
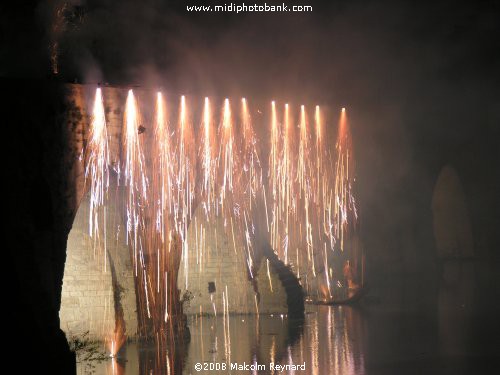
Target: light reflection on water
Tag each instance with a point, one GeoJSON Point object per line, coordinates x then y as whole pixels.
{"type": "Point", "coordinates": [330, 341]}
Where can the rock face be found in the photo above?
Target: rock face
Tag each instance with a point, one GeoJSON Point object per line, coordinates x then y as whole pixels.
{"type": "Point", "coordinates": [98, 286]}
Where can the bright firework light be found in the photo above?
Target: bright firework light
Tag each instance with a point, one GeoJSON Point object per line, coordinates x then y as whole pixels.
{"type": "Point", "coordinates": [208, 189]}
{"type": "Point", "coordinates": [97, 176]}
{"type": "Point", "coordinates": [227, 147]}
{"type": "Point", "coordinates": [345, 212]}
{"type": "Point", "coordinates": [137, 183]}
{"type": "Point", "coordinates": [308, 197]}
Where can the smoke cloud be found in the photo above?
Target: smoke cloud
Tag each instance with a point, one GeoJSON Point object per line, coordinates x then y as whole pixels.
{"type": "Point", "coordinates": [420, 83]}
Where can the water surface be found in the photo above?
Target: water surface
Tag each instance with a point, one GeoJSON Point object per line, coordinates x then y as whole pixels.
{"type": "Point", "coordinates": [331, 340]}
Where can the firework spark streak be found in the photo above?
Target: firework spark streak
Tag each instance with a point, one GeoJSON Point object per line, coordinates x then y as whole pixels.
{"type": "Point", "coordinates": [97, 172]}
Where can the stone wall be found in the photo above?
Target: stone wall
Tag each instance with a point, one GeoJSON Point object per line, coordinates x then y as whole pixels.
{"type": "Point", "coordinates": [98, 289]}
{"type": "Point", "coordinates": [214, 256]}
{"type": "Point", "coordinates": [272, 295]}
{"type": "Point", "coordinates": [211, 257]}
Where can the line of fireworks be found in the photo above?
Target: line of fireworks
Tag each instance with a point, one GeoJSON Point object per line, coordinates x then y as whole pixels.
{"type": "Point", "coordinates": [307, 200]}
{"type": "Point", "coordinates": [97, 174]}
{"type": "Point", "coordinates": [312, 201]}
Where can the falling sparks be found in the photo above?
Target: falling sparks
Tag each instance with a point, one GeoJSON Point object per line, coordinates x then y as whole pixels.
{"type": "Point", "coordinates": [97, 172]}
{"type": "Point", "coordinates": [303, 194]}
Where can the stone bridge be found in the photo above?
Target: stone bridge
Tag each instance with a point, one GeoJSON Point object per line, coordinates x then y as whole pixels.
{"type": "Point", "coordinates": [99, 288]}
{"type": "Point", "coordinates": [46, 123]}
{"type": "Point", "coordinates": [93, 294]}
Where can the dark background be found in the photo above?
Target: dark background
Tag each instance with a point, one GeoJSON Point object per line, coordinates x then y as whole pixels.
{"type": "Point", "coordinates": [421, 82]}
